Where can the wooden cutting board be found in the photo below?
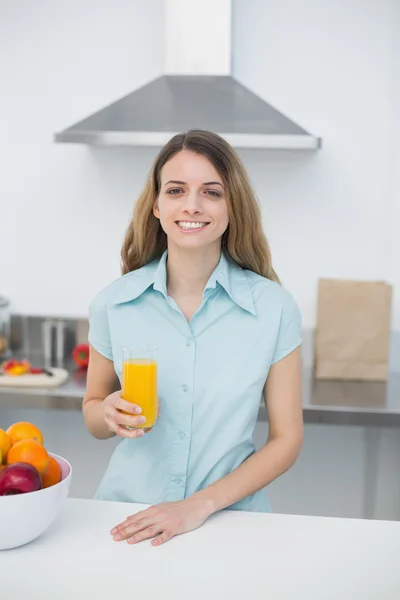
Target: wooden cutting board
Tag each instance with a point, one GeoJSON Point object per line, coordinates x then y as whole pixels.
{"type": "Point", "coordinates": [41, 380]}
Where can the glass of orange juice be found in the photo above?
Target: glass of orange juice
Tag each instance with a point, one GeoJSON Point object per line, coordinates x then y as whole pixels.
{"type": "Point", "coordinates": [139, 381]}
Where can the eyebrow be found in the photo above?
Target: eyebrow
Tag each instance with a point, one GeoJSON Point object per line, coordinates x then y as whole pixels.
{"type": "Point", "coordinates": [185, 183]}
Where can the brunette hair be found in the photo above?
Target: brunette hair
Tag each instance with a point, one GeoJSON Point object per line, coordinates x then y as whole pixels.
{"type": "Point", "coordinates": [244, 240]}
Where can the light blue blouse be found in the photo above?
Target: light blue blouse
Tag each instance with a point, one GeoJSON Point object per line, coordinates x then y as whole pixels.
{"type": "Point", "coordinates": [211, 375]}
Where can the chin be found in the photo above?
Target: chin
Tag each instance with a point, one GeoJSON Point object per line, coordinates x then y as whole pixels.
{"type": "Point", "coordinates": [192, 242]}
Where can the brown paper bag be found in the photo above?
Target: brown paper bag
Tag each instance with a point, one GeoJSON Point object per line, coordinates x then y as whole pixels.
{"type": "Point", "coordinates": [353, 330]}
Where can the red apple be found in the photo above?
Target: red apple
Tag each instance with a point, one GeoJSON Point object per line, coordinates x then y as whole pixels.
{"type": "Point", "coordinates": [19, 478]}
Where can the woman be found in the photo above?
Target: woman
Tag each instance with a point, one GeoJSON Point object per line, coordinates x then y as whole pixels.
{"type": "Point", "coordinates": [199, 284]}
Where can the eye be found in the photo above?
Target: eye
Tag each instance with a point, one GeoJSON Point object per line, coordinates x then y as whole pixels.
{"type": "Point", "coordinates": [213, 193]}
{"type": "Point", "coordinates": [174, 191]}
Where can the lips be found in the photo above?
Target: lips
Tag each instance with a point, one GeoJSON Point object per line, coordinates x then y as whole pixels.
{"type": "Point", "coordinates": [190, 226]}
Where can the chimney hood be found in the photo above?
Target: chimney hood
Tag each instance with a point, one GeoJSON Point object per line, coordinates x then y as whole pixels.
{"type": "Point", "coordinates": [196, 91]}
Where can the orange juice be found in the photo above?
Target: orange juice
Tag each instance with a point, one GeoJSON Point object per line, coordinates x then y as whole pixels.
{"type": "Point", "coordinates": [139, 386]}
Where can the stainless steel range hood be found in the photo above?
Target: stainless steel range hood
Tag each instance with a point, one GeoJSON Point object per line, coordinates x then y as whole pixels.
{"type": "Point", "coordinates": [197, 91]}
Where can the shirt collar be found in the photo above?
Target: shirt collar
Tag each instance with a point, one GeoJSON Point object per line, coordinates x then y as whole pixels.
{"type": "Point", "coordinates": [228, 274]}
{"type": "Point", "coordinates": [135, 283]}
{"type": "Point", "coordinates": [234, 281]}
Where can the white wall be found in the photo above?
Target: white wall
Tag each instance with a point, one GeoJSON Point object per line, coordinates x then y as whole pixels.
{"type": "Point", "coordinates": [64, 208]}
{"type": "Point", "coordinates": [395, 231]}
{"type": "Point", "coordinates": [330, 67]}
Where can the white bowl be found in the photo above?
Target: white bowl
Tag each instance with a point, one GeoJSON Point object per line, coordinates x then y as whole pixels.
{"type": "Point", "coordinates": [24, 517]}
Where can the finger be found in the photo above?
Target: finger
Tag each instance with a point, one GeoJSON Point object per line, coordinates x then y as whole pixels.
{"type": "Point", "coordinates": [123, 431]}
{"type": "Point", "coordinates": [144, 534]}
{"type": "Point", "coordinates": [128, 529]}
{"type": "Point", "coordinates": [129, 420]}
{"type": "Point", "coordinates": [138, 517]}
{"type": "Point", "coordinates": [130, 434]}
{"type": "Point", "coordinates": [162, 538]}
{"type": "Point", "coordinates": [129, 407]}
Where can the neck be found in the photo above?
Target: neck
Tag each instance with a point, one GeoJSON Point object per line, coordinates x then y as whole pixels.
{"type": "Point", "coordinates": [189, 271]}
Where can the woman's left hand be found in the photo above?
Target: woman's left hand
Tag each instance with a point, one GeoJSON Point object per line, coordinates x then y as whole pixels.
{"type": "Point", "coordinates": [163, 521]}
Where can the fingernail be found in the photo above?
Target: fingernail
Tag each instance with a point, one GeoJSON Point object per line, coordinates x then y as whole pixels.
{"type": "Point", "coordinates": [117, 537]}
{"type": "Point", "coordinates": [142, 419]}
{"type": "Point", "coordinates": [138, 410]}
{"type": "Point", "coordinates": [140, 434]}
{"type": "Point", "coordinates": [113, 531]}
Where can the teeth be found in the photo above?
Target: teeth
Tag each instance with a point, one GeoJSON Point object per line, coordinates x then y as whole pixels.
{"type": "Point", "coordinates": [189, 225]}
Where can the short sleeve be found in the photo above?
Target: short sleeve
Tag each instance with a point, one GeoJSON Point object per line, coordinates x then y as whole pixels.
{"type": "Point", "coordinates": [99, 332]}
{"type": "Point", "coordinates": [290, 334]}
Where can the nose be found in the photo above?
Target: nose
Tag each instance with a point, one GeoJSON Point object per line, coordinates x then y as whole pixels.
{"type": "Point", "coordinates": [193, 204]}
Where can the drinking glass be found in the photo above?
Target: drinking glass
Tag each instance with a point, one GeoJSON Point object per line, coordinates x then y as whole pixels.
{"type": "Point", "coordinates": [139, 381]}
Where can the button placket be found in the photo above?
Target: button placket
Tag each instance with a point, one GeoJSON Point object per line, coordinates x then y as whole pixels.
{"type": "Point", "coordinates": [190, 342]}
{"type": "Point", "coordinates": [180, 447]}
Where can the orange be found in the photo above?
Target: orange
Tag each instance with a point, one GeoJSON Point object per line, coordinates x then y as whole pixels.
{"type": "Point", "coordinates": [52, 474]}
{"type": "Point", "coordinates": [5, 444]}
{"type": "Point", "coordinates": [24, 431]}
{"type": "Point", "coordinates": [31, 452]}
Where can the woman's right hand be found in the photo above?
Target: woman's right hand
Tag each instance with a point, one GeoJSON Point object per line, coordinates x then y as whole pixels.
{"type": "Point", "coordinates": [115, 419]}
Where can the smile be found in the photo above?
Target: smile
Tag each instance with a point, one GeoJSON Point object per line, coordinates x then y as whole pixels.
{"type": "Point", "coordinates": [191, 225]}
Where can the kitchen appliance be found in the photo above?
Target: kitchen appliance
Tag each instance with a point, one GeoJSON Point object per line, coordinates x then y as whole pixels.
{"type": "Point", "coordinates": [196, 91]}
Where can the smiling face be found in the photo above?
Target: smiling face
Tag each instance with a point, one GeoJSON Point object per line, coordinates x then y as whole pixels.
{"type": "Point", "coordinates": [191, 205]}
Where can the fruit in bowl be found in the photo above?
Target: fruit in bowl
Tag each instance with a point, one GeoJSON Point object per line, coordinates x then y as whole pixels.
{"type": "Point", "coordinates": [23, 444]}
{"type": "Point", "coordinates": [19, 478]}
{"type": "Point", "coordinates": [5, 445]}
{"type": "Point", "coordinates": [24, 431]}
{"type": "Point", "coordinates": [30, 452]}
{"type": "Point", "coordinates": [33, 485]}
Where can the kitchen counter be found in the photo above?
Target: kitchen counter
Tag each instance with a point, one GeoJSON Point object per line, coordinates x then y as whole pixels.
{"type": "Point", "coordinates": [332, 402]}
{"type": "Point", "coordinates": [234, 555]}
{"type": "Point", "coordinates": [336, 402]}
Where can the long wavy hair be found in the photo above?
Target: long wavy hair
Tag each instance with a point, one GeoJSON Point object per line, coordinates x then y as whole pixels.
{"type": "Point", "coordinates": [244, 241]}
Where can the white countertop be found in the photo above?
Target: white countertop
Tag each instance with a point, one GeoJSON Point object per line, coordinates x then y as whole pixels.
{"type": "Point", "coordinates": [235, 555]}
